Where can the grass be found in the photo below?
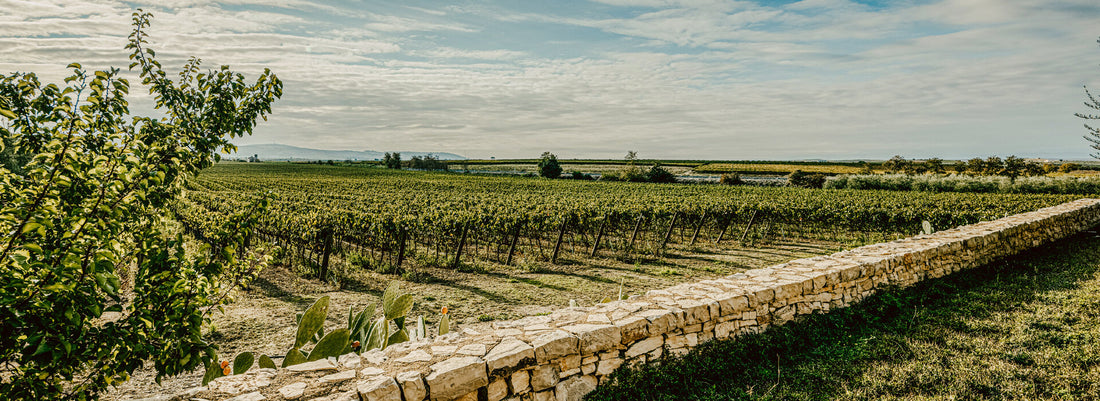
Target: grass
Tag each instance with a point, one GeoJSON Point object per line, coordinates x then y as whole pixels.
{"type": "Point", "coordinates": [1023, 328]}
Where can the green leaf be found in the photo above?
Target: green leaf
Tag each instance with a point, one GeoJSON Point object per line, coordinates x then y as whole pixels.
{"type": "Point", "coordinates": [8, 113]}
{"type": "Point", "coordinates": [331, 345]}
{"type": "Point", "coordinates": [294, 357]}
{"type": "Point", "coordinates": [397, 337]}
{"type": "Point", "coordinates": [312, 321]}
{"type": "Point", "coordinates": [266, 362]}
{"type": "Point", "coordinates": [108, 282]}
{"type": "Point", "coordinates": [445, 324]}
{"type": "Point", "coordinates": [243, 362]}
{"type": "Point", "coordinates": [399, 307]}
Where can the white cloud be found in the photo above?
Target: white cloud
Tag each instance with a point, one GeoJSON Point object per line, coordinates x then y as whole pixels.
{"type": "Point", "coordinates": [708, 79]}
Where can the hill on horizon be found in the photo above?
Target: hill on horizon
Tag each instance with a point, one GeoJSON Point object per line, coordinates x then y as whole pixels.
{"type": "Point", "coordinates": [280, 152]}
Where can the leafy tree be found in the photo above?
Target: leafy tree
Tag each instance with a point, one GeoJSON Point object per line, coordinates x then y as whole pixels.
{"type": "Point", "coordinates": [935, 165]}
{"type": "Point", "coordinates": [548, 165]}
{"type": "Point", "coordinates": [1068, 167]}
{"type": "Point", "coordinates": [659, 175]}
{"type": "Point", "coordinates": [799, 178]}
{"type": "Point", "coordinates": [1014, 167]}
{"type": "Point", "coordinates": [91, 282]}
{"type": "Point", "coordinates": [976, 166]}
{"type": "Point", "coordinates": [897, 164]}
{"type": "Point", "coordinates": [392, 160]}
{"type": "Point", "coordinates": [1093, 135]}
{"type": "Point", "coordinates": [993, 165]}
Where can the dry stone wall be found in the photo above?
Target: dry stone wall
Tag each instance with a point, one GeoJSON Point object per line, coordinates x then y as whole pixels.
{"type": "Point", "coordinates": [564, 355]}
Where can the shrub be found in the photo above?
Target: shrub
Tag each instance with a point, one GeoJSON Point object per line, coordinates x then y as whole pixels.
{"type": "Point", "coordinates": [799, 178]}
{"type": "Point", "coordinates": [548, 166]}
{"type": "Point", "coordinates": [90, 204]}
{"type": "Point", "coordinates": [730, 179]}
{"type": "Point", "coordinates": [659, 175]}
{"type": "Point", "coordinates": [577, 175]}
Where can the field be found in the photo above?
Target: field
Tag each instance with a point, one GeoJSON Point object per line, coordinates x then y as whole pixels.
{"type": "Point", "coordinates": [383, 225]}
{"type": "Point", "coordinates": [1025, 328]}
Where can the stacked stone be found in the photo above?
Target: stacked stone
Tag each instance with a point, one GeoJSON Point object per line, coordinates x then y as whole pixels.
{"type": "Point", "coordinates": [564, 355]}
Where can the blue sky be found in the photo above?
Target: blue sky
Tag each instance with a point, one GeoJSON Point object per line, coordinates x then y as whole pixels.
{"type": "Point", "coordinates": [711, 79]}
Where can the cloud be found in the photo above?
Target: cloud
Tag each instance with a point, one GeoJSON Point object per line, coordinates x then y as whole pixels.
{"type": "Point", "coordinates": [677, 79]}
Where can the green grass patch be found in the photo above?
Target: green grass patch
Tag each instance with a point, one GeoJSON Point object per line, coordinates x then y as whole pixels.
{"type": "Point", "coordinates": [1023, 328]}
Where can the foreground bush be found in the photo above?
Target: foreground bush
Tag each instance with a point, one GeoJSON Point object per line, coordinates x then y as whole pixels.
{"type": "Point", "coordinates": [91, 284]}
{"type": "Point", "coordinates": [964, 183]}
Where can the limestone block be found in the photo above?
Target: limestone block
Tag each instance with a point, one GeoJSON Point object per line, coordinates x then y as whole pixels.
{"type": "Point", "coordinates": [633, 328]}
{"type": "Point", "coordinates": [253, 396]}
{"type": "Point", "coordinates": [510, 355]}
{"type": "Point", "coordinates": [293, 391]}
{"type": "Point", "coordinates": [544, 377]}
{"type": "Point", "coordinates": [547, 395]}
{"type": "Point", "coordinates": [379, 388]}
{"type": "Point", "coordinates": [569, 362]}
{"type": "Point", "coordinates": [497, 390]}
{"type": "Point", "coordinates": [575, 388]}
{"type": "Point", "coordinates": [555, 344]}
{"type": "Point", "coordinates": [645, 346]}
{"type": "Point", "coordinates": [415, 356]}
{"type": "Point", "coordinates": [660, 321]}
{"type": "Point", "coordinates": [412, 386]}
{"type": "Point", "coordinates": [337, 377]}
{"type": "Point", "coordinates": [595, 337]}
{"type": "Point", "coordinates": [605, 367]}
{"type": "Point", "coordinates": [318, 365]}
{"type": "Point", "coordinates": [472, 350]}
{"type": "Point", "coordinates": [455, 377]}
{"type": "Point", "coordinates": [520, 382]}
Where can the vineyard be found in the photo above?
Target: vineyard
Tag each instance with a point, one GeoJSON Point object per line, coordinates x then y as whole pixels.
{"type": "Point", "coordinates": [387, 219]}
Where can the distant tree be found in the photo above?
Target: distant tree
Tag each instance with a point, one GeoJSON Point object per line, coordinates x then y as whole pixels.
{"type": "Point", "coordinates": [799, 178]}
{"type": "Point", "coordinates": [976, 166]}
{"type": "Point", "coordinates": [392, 160]}
{"type": "Point", "coordinates": [730, 179]}
{"type": "Point", "coordinates": [897, 164]}
{"type": "Point", "coordinates": [631, 157]}
{"type": "Point", "coordinates": [993, 166]}
{"type": "Point", "coordinates": [1069, 167]}
{"type": "Point", "coordinates": [864, 168]}
{"type": "Point", "coordinates": [548, 165]}
{"type": "Point", "coordinates": [1034, 169]}
{"type": "Point", "coordinates": [960, 167]}
{"type": "Point", "coordinates": [631, 172]}
{"type": "Point", "coordinates": [659, 175]}
{"type": "Point", "coordinates": [1014, 167]}
{"type": "Point", "coordinates": [1093, 135]}
{"type": "Point", "coordinates": [934, 165]}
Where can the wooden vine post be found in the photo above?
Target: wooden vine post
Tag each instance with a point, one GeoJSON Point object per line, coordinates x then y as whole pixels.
{"type": "Point", "coordinates": [512, 246]}
{"type": "Point", "coordinates": [557, 245]}
{"type": "Point", "coordinates": [751, 219]}
{"type": "Point", "coordinates": [724, 228]}
{"type": "Point", "coordinates": [461, 243]}
{"type": "Point", "coordinates": [702, 219]}
{"type": "Point", "coordinates": [634, 235]}
{"type": "Point", "coordinates": [599, 235]}
{"type": "Point", "coordinates": [400, 246]}
{"type": "Point", "coordinates": [668, 234]}
{"type": "Point", "coordinates": [326, 251]}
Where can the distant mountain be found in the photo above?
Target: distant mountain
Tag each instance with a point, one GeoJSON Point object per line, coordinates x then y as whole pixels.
{"type": "Point", "coordinates": [286, 152]}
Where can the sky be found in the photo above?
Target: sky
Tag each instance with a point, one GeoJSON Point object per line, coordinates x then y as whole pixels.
{"type": "Point", "coordinates": [691, 79]}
